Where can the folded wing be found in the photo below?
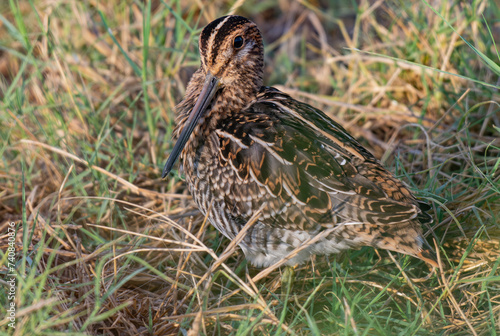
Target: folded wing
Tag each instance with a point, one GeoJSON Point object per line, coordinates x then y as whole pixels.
{"type": "Point", "coordinates": [310, 166]}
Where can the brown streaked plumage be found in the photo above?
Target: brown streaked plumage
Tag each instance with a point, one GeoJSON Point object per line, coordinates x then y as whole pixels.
{"type": "Point", "coordinates": [243, 145]}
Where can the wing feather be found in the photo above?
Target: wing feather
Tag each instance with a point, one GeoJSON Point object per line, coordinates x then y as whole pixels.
{"type": "Point", "coordinates": [305, 159]}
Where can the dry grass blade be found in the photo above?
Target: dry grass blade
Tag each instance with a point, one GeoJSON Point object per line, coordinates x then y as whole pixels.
{"type": "Point", "coordinates": [128, 186]}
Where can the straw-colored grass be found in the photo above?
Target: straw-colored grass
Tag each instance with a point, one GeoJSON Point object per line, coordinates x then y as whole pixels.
{"type": "Point", "coordinates": [105, 247]}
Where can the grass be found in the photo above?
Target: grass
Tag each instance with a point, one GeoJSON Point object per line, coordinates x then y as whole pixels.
{"type": "Point", "coordinates": [105, 247]}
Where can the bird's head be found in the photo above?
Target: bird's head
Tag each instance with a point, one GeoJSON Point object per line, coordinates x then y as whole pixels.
{"type": "Point", "coordinates": [231, 51]}
{"type": "Point", "coordinates": [232, 59]}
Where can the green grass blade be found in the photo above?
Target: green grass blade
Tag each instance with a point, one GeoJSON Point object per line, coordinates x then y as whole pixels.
{"type": "Point", "coordinates": [134, 66]}
{"type": "Point", "coordinates": [488, 61]}
{"type": "Point", "coordinates": [425, 67]}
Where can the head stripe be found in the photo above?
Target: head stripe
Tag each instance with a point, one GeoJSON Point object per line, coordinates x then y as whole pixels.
{"type": "Point", "coordinates": [213, 34]}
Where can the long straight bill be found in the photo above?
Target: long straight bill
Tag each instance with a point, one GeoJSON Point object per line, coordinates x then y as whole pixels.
{"type": "Point", "coordinates": [207, 93]}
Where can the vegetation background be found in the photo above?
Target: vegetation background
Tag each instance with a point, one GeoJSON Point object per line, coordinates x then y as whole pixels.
{"type": "Point", "coordinates": [105, 247]}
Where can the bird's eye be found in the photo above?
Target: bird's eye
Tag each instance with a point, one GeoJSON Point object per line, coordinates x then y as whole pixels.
{"type": "Point", "coordinates": [238, 42]}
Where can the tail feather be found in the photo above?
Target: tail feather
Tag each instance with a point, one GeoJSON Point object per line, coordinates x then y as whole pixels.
{"type": "Point", "coordinates": [404, 238]}
{"type": "Point", "coordinates": [428, 256]}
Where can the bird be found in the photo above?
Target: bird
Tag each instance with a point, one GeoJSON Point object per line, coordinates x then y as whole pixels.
{"type": "Point", "coordinates": [245, 147]}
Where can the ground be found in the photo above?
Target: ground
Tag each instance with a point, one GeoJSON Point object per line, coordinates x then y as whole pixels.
{"type": "Point", "coordinates": [104, 246]}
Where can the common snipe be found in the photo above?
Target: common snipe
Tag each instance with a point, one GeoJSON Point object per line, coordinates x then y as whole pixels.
{"type": "Point", "coordinates": [244, 145]}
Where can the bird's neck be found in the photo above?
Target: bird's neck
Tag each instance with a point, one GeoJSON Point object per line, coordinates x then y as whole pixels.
{"type": "Point", "coordinates": [229, 100]}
